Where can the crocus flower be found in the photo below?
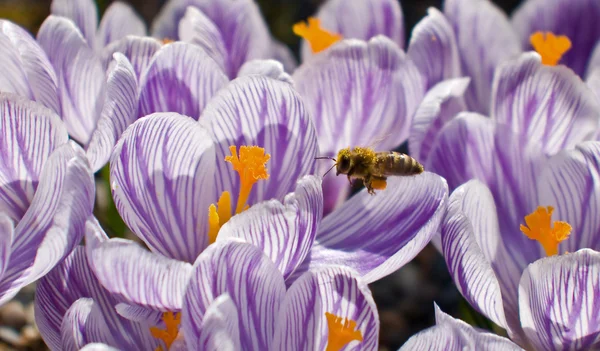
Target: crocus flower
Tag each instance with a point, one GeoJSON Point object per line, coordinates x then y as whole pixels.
{"type": "Point", "coordinates": [46, 196]}
{"type": "Point", "coordinates": [231, 31]}
{"type": "Point", "coordinates": [451, 334]}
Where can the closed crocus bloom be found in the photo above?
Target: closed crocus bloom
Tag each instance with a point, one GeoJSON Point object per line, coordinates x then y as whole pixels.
{"type": "Point", "coordinates": [46, 196]}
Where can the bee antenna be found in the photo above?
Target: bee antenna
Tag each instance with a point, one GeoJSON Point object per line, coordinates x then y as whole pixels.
{"type": "Point", "coordinates": [325, 158]}
{"type": "Point", "coordinates": [329, 170]}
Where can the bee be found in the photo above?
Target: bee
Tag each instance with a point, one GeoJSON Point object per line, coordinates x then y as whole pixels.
{"type": "Point", "coordinates": [373, 167]}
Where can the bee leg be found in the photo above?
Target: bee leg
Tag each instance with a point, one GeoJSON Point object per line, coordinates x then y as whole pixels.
{"type": "Point", "coordinates": [350, 173]}
{"type": "Point", "coordinates": [368, 185]}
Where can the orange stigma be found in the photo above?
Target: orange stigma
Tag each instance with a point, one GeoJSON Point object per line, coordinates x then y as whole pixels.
{"type": "Point", "coordinates": [318, 38]}
{"type": "Point", "coordinates": [341, 332]}
{"type": "Point", "coordinates": [550, 47]}
{"type": "Point", "coordinates": [171, 331]}
{"type": "Point", "coordinates": [251, 167]}
{"type": "Point", "coordinates": [539, 227]}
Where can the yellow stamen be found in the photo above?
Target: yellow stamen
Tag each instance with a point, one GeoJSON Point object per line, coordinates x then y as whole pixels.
{"type": "Point", "coordinates": [218, 215]}
{"type": "Point", "coordinates": [250, 165]}
{"type": "Point", "coordinates": [539, 227]}
{"type": "Point", "coordinates": [318, 38]}
{"type": "Point", "coordinates": [341, 332]}
{"type": "Point", "coordinates": [169, 334]}
{"type": "Point", "coordinates": [166, 41]}
{"type": "Point", "coordinates": [550, 47]}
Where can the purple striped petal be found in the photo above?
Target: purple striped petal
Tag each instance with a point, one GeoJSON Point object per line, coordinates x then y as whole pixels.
{"type": "Point", "coordinates": [98, 347]}
{"type": "Point", "coordinates": [138, 50]}
{"type": "Point", "coordinates": [180, 78]}
{"type": "Point", "coordinates": [571, 184]}
{"type": "Point", "coordinates": [451, 334]}
{"type": "Point", "coordinates": [30, 132]}
{"type": "Point", "coordinates": [54, 223]}
{"type": "Point", "coordinates": [119, 111]}
{"type": "Point", "coordinates": [382, 89]}
{"type": "Point", "coordinates": [433, 49]}
{"type": "Point", "coordinates": [441, 104]}
{"type": "Point", "coordinates": [139, 276]}
{"type": "Point", "coordinates": [71, 280]}
{"type": "Point", "coordinates": [119, 20]}
{"type": "Point", "coordinates": [470, 234]}
{"type": "Point", "coordinates": [284, 231]}
{"type": "Point", "coordinates": [73, 329]}
{"type": "Point", "coordinates": [551, 106]}
{"type": "Point", "coordinates": [7, 234]}
{"type": "Point", "coordinates": [474, 147]}
{"type": "Point", "coordinates": [593, 82]}
{"type": "Point", "coordinates": [268, 68]}
{"type": "Point", "coordinates": [562, 17]}
{"type": "Point", "coordinates": [162, 173]}
{"type": "Point", "coordinates": [362, 19]}
{"type": "Point", "coordinates": [80, 75]}
{"type": "Point", "coordinates": [167, 20]}
{"type": "Point", "coordinates": [376, 235]}
{"type": "Point", "coordinates": [485, 39]}
{"type": "Point", "coordinates": [253, 283]}
{"type": "Point", "coordinates": [594, 61]}
{"type": "Point", "coordinates": [558, 301]}
{"type": "Point", "coordinates": [196, 28]}
{"type": "Point", "coordinates": [26, 69]}
{"type": "Point", "coordinates": [83, 13]}
{"type": "Point", "coordinates": [257, 110]}
{"type": "Point", "coordinates": [219, 329]}
{"type": "Point", "coordinates": [336, 290]}
{"type": "Point", "coordinates": [283, 54]}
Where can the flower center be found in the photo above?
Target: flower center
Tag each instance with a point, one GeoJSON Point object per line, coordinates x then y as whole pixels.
{"type": "Point", "coordinates": [550, 47]}
{"type": "Point", "coordinates": [341, 332]}
{"type": "Point", "coordinates": [318, 38]}
{"type": "Point", "coordinates": [169, 334]}
{"type": "Point", "coordinates": [539, 227]}
{"type": "Point", "coordinates": [251, 167]}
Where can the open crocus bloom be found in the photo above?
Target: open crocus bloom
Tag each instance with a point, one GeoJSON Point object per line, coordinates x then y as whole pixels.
{"type": "Point", "coordinates": [46, 193]}
{"type": "Point", "coordinates": [451, 334]}
{"type": "Point", "coordinates": [549, 304]}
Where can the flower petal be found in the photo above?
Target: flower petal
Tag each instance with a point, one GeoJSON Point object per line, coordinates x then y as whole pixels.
{"type": "Point", "coordinates": [80, 75]}
{"type": "Point", "coordinates": [336, 290]}
{"type": "Point", "coordinates": [83, 13]}
{"type": "Point", "coordinates": [30, 132]}
{"type": "Point", "coordinates": [283, 54]}
{"type": "Point", "coordinates": [253, 283]}
{"type": "Point", "coordinates": [558, 299]}
{"type": "Point", "coordinates": [269, 68]}
{"type": "Point", "coordinates": [470, 234]}
{"type": "Point", "coordinates": [594, 61]}
{"type": "Point", "coordinates": [98, 347]}
{"type": "Point", "coordinates": [54, 223]}
{"type": "Point", "coordinates": [162, 173]}
{"type": "Point", "coordinates": [571, 184]}
{"type": "Point", "coordinates": [7, 235]}
{"type": "Point", "coordinates": [376, 235]}
{"type": "Point", "coordinates": [119, 111]}
{"type": "Point", "coordinates": [138, 276]}
{"type": "Point", "coordinates": [285, 232]}
{"type": "Point", "coordinates": [562, 17]}
{"type": "Point", "coordinates": [138, 50]}
{"type": "Point", "coordinates": [118, 21]}
{"type": "Point", "coordinates": [362, 19]}
{"type": "Point", "coordinates": [219, 329]}
{"type": "Point", "coordinates": [433, 49]}
{"type": "Point", "coordinates": [257, 110]}
{"type": "Point", "coordinates": [451, 334]}
{"type": "Point", "coordinates": [551, 106]}
{"type": "Point", "coordinates": [73, 327]}
{"type": "Point", "coordinates": [181, 78]}
{"type": "Point", "coordinates": [24, 57]}
{"type": "Point", "coordinates": [485, 39]}
{"type": "Point", "coordinates": [441, 104]}
{"type": "Point", "coordinates": [196, 28]}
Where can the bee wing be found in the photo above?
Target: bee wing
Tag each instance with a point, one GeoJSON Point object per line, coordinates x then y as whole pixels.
{"type": "Point", "coordinates": [377, 140]}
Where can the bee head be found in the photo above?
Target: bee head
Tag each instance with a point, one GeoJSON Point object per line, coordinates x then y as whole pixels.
{"type": "Point", "coordinates": [343, 161]}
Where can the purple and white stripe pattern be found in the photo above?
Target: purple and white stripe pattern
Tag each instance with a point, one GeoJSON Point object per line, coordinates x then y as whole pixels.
{"type": "Point", "coordinates": [47, 193]}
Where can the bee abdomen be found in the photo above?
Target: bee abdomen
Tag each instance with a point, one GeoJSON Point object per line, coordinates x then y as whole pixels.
{"type": "Point", "coordinates": [402, 164]}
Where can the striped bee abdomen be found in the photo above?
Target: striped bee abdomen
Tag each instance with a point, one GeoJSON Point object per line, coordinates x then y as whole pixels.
{"type": "Point", "coordinates": [391, 163]}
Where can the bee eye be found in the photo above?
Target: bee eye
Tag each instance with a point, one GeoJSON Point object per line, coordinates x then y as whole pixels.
{"type": "Point", "coordinates": [344, 164]}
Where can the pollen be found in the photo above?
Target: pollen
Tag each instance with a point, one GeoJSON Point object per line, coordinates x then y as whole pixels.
{"type": "Point", "coordinates": [318, 38]}
{"type": "Point", "coordinates": [550, 47]}
{"type": "Point", "coordinates": [341, 332]}
{"type": "Point", "coordinates": [540, 227]}
{"type": "Point", "coordinates": [379, 184]}
{"type": "Point", "coordinates": [171, 331]}
{"type": "Point", "coordinates": [251, 167]}
{"type": "Point", "coordinates": [218, 215]}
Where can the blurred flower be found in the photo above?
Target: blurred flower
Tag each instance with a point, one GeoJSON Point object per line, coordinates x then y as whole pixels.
{"type": "Point", "coordinates": [451, 334]}
{"type": "Point", "coordinates": [46, 196]}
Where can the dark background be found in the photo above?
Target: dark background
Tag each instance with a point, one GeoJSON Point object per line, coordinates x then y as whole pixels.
{"type": "Point", "coordinates": [405, 298]}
